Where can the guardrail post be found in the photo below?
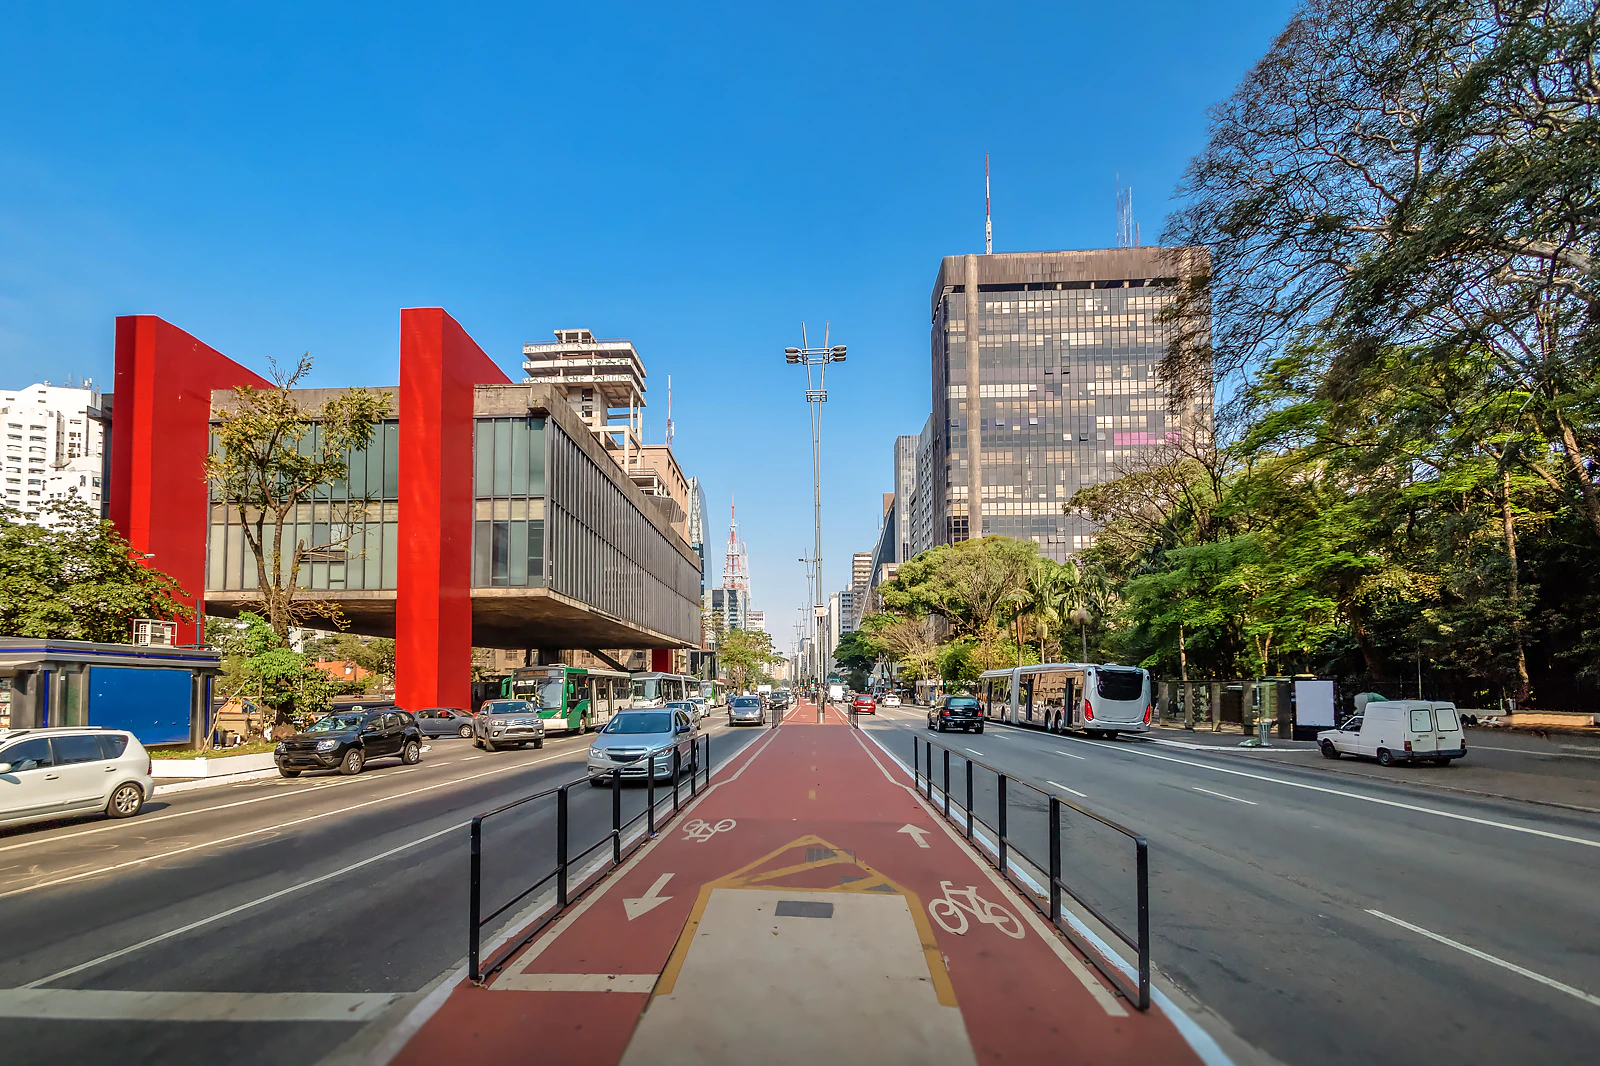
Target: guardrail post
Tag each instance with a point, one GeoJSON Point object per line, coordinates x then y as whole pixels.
{"type": "Point", "coordinates": [616, 815]}
{"type": "Point", "coordinates": [969, 801]}
{"type": "Point", "coordinates": [1142, 851]}
{"type": "Point", "coordinates": [694, 771]}
{"type": "Point", "coordinates": [946, 784]}
{"type": "Point", "coordinates": [916, 759]}
{"type": "Point", "coordinates": [650, 796]}
{"type": "Point", "coordinates": [1001, 820]}
{"type": "Point", "coordinates": [561, 847]}
{"type": "Point", "coordinates": [929, 777]}
{"type": "Point", "coordinates": [708, 760]}
{"type": "Point", "coordinates": [474, 907]}
{"type": "Point", "coordinates": [1055, 859]}
{"type": "Point", "coordinates": [677, 771]}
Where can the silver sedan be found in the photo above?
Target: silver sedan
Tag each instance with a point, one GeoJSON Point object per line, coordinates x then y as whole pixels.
{"type": "Point", "coordinates": [631, 737]}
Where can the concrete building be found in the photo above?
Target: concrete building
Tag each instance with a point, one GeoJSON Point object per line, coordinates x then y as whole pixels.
{"type": "Point", "coordinates": [1044, 382]}
{"type": "Point", "coordinates": [728, 609]}
{"type": "Point", "coordinates": [602, 379]}
{"type": "Point", "coordinates": [755, 620]}
{"type": "Point", "coordinates": [53, 448]}
{"type": "Point", "coordinates": [905, 490]}
{"type": "Point", "coordinates": [927, 486]}
{"type": "Point", "coordinates": [483, 513]}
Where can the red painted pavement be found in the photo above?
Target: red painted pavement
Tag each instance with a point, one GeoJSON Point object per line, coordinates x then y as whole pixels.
{"type": "Point", "coordinates": [819, 809]}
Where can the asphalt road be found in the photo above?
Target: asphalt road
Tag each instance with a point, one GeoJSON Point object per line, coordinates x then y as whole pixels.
{"type": "Point", "coordinates": [1327, 918]}
{"type": "Point", "coordinates": [318, 903]}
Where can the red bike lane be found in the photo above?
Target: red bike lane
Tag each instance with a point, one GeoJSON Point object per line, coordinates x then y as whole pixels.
{"type": "Point", "coordinates": [807, 908]}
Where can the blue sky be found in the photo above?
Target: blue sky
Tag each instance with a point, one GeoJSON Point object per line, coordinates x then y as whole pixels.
{"type": "Point", "coordinates": [700, 178]}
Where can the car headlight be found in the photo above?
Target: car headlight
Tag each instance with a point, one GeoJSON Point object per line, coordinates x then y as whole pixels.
{"type": "Point", "coordinates": [597, 753]}
{"type": "Point", "coordinates": [327, 745]}
{"type": "Point", "coordinates": [281, 748]}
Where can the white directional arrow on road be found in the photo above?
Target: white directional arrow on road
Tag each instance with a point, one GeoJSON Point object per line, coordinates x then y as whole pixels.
{"type": "Point", "coordinates": [651, 899]}
{"type": "Point", "coordinates": [915, 833]}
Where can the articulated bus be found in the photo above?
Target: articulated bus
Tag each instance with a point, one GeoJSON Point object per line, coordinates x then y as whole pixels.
{"type": "Point", "coordinates": [658, 690]}
{"type": "Point", "coordinates": [572, 699]}
{"type": "Point", "coordinates": [714, 692]}
{"type": "Point", "coordinates": [1100, 700]}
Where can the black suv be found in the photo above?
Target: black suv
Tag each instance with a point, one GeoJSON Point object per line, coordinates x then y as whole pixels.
{"type": "Point", "coordinates": [956, 712]}
{"type": "Point", "coordinates": [347, 740]}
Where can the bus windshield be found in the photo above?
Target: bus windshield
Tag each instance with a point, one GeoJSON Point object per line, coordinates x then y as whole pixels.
{"type": "Point", "coordinates": [550, 695]}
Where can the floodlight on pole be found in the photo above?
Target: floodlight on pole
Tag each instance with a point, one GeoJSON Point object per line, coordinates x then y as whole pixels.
{"type": "Point", "coordinates": [816, 395]}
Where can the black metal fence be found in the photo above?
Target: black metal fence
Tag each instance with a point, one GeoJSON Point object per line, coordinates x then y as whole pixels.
{"type": "Point", "coordinates": [1005, 849]}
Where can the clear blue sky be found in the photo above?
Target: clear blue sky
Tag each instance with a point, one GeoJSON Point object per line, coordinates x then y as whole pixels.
{"type": "Point", "coordinates": [698, 178]}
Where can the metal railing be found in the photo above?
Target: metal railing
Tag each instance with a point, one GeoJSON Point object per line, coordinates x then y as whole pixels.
{"type": "Point", "coordinates": [1005, 848]}
{"type": "Point", "coordinates": [566, 891]}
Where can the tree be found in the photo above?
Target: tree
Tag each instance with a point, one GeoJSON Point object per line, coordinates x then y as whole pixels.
{"type": "Point", "coordinates": [272, 457]}
{"type": "Point", "coordinates": [78, 579]}
{"type": "Point", "coordinates": [372, 654]}
{"type": "Point", "coordinates": [745, 654]}
{"type": "Point", "coordinates": [911, 641]}
{"type": "Point", "coordinates": [258, 663]}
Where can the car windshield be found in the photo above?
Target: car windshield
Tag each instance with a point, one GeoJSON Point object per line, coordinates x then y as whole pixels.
{"type": "Point", "coordinates": [337, 723]}
{"type": "Point", "coordinates": [683, 705]}
{"type": "Point", "coordinates": [507, 707]}
{"type": "Point", "coordinates": [962, 703]}
{"type": "Point", "coordinates": [746, 701]}
{"type": "Point", "coordinates": [653, 722]}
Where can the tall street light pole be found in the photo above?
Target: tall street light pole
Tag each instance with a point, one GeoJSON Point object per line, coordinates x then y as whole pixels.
{"type": "Point", "coordinates": [816, 361]}
{"type": "Point", "coordinates": [811, 597]}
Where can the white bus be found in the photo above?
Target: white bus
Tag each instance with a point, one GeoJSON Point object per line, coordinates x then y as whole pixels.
{"type": "Point", "coordinates": [658, 690]}
{"type": "Point", "coordinates": [1099, 699]}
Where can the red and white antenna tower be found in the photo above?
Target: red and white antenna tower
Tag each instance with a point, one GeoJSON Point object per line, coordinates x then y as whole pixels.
{"type": "Point", "coordinates": [736, 565]}
{"type": "Point", "coordinates": [988, 228]}
{"type": "Point", "coordinates": [669, 411]}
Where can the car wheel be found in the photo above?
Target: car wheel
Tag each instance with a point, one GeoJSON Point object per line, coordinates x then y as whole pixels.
{"type": "Point", "coordinates": [979, 729]}
{"type": "Point", "coordinates": [354, 760]}
{"type": "Point", "coordinates": [288, 773]}
{"type": "Point", "coordinates": [466, 732]}
{"type": "Point", "coordinates": [1384, 758]}
{"type": "Point", "coordinates": [126, 801]}
{"type": "Point", "coordinates": [488, 745]}
{"type": "Point", "coordinates": [411, 754]}
{"type": "Point", "coordinates": [477, 744]}
{"type": "Point", "coordinates": [539, 743]}
{"type": "Point", "coordinates": [1329, 751]}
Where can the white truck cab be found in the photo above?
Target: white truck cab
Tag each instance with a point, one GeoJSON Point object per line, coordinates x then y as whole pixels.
{"type": "Point", "coordinates": [1392, 731]}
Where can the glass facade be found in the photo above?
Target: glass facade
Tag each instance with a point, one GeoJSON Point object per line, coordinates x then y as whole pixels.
{"type": "Point", "coordinates": [1068, 393]}
{"type": "Point", "coordinates": [353, 524]}
{"type": "Point", "coordinates": [508, 529]}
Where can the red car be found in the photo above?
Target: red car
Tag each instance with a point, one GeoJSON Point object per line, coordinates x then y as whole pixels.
{"type": "Point", "coordinates": [864, 705]}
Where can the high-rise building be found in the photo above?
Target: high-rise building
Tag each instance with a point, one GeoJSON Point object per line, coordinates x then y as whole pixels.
{"type": "Point", "coordinates": [1045, 382]}
{"type": "Point", "coordinates": [755, 620]}
{"type": "Point", "coordinates": [921, 503]}
{"type": "Point", "coordinates": [905, 487]}
{"type": "Point", "coordinates": [52, 447]}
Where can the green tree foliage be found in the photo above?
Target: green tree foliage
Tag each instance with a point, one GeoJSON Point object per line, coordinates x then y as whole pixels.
{"type": "Point", "coordinates": [260, 665]}
{"type": "Point", "coordinates": [271, 459]}
{"type": "Point", "coordinates": [372, 654]}
{"type": "Point", "coordinates": [745, 654]}
{"type": "Point", "coordinates": [78, 579]}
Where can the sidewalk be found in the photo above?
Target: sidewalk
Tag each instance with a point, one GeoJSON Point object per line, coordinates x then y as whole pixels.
{"type": "Point", "coordinates": [807, 909]}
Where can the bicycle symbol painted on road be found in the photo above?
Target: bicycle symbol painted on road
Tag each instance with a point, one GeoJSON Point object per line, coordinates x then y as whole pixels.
{"type": "Point", "coordinates": [951, 912]}
{"type": "Point", "coordinates": [702, 831]}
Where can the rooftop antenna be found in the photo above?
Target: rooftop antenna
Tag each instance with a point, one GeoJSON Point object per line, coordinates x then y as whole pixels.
{"type": "Point", "coordinates": [988, 227]}
{"type": "Point", "coordinates": [669, 410]}
{"type": "Point", "coordinates": [1127, 228]}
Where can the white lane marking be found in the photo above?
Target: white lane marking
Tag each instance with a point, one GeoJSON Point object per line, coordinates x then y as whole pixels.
{"type": "Point", "coordinates": [231, 911]}
{"type": "Point", "coordinates": [578, 982]}
{"type": "Point", "coordinates": [1069, 755]}
{"type": "Point", "coordinates": [975, 751]}
{"type": "Point", "coordinates": [1064, 788]}
{"type": "Point", "coordinates": [1529, 830]}
{"type": "Point", "coordinates": [34, 886]}
{"type": "Point", "coordinates": [1576, 993]}
{"type": "Point", "coordinates": [85, 1004]}
{"type": "Point", "coordinates": [1530, 751]}
{"type": "Point", "coordinates": [1202, 1043]}
{"type": "Point", "coordinates": [1224, 795]}
{"type": "Point", "coordinates": [469, 758]}
{"type": "Point", "coordinates": [646, 903]}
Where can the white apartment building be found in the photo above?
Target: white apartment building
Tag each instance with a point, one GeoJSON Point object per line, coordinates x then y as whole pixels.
{"type": "Point", "coordinates": [52, 448]}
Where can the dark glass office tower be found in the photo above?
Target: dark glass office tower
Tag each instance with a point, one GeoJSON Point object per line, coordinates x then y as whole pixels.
{"type": "Point", "coordinates": [1045, 381]}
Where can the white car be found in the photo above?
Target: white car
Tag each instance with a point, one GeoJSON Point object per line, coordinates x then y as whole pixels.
{"type": "Point", "coordinates": [891, 700]}
{"type": "Point", "coordinates": [67, 771]}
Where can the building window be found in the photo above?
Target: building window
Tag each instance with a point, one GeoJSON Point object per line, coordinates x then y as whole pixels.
{"type": "Point", "coordinates": [508, 529]}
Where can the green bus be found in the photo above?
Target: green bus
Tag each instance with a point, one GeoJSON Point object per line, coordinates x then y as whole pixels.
{"type": "Point", "coordinates": [572, 699]}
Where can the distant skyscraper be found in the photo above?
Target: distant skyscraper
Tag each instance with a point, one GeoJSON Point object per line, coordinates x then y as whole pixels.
{"type": "Point", "coordinates": [905, 487]}
{"type": "Point", "coordinates": [1044, 381]}
{"type": "Point", "coordinates": [697, 526]}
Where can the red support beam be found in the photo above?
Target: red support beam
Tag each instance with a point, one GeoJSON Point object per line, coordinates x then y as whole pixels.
{"type": "Point", "coordinates": [439, 365]}
{"type": "Point", "coordinates": [160, 433]}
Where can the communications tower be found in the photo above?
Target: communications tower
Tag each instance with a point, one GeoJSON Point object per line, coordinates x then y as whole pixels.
{"type": "Point", "coordinates": [736, 565]}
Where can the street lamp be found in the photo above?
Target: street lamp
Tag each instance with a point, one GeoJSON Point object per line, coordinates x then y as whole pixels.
{"type": "Point", "coordinates": [815, 359]}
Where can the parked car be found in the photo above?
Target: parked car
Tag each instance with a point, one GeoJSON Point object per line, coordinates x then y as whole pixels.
{"type": "Point", "coordinates": [67, 771]}
{"type": "Point", "coordinates": [956, 712]}
{"type": "Point", "coordinates": [865, 704]}
{"type": "Point", "coordinates": [890, 700]}
{"type": "Point", "coordinates": [746, 710]}
{"type": "Point", "coordinates": [507, 723]}
{"type": "Point", "coordinates": [347, 740]}
{"type": "Point", "coordinates": [1399, 731]}
{"type": "Point", "coordinates": [444, 722]}
{"type": "Point", "coordinates": [631, 737]}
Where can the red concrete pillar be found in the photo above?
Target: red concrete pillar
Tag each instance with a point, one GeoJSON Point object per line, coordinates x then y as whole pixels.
{"type": "Point", "coordinates": [439, 365]}
{"type": "Point", "coordinates": [661, 660]}
{"type": "Point", "coordinates": [160, 432]}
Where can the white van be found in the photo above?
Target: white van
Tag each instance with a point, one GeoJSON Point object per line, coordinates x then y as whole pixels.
{"type": "Point", "coordinates": [1399, 731]}
{"type": "Point", "coordinates": [836, 693]}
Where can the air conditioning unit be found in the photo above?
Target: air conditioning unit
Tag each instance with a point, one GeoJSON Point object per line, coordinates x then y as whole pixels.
{"type": "Point", "coordinates": [153, 632]}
